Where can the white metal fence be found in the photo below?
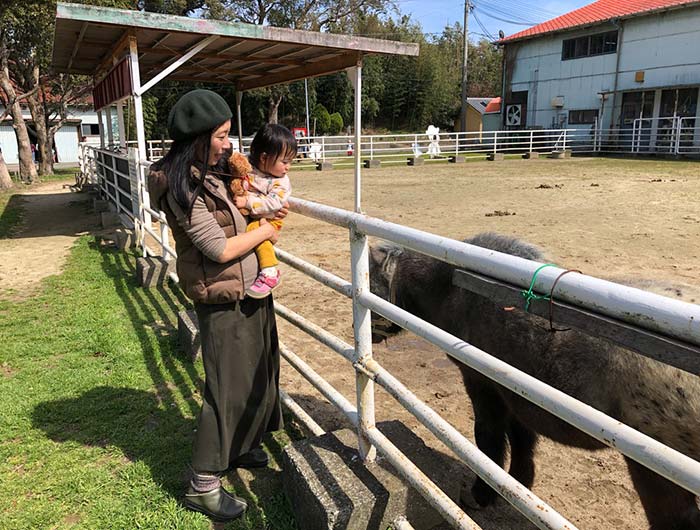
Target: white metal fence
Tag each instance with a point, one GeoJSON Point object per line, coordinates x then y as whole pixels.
{"type": "Point", "coordinates": [674, 135]}
{"type": "Point", "coordinates": [122, 179]}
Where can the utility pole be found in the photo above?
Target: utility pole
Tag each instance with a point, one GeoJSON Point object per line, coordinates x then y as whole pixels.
{"type": "Point", "coordinates": [467, 6]}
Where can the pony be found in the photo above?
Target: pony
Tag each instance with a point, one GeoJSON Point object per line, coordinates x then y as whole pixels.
{"type": "Point", "coordinates": [654, 398]}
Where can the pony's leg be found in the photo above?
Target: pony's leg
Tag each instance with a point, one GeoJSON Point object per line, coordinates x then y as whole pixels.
{"type": "Point", "coordinates": [491, 421]}
{"type": "Point", "coordinates": [522, 452]}
{"type": "Point", "coordinates": [667, 506]}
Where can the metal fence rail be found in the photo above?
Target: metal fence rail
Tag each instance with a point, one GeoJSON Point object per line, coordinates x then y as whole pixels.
{"type": "Point", "coordinates": [639, 308]}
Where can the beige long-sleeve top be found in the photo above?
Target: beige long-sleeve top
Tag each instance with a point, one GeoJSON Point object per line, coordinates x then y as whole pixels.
{"type": "Point", "coordinates": [207, 235]}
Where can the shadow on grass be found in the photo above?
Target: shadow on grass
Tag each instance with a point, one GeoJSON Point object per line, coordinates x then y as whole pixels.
{"type": "Point", "coordinates": [153, 426]}
{"type": "Point", "coordinates": [11, 215]}
{"type": "Point", "coordinates": [133, 420]}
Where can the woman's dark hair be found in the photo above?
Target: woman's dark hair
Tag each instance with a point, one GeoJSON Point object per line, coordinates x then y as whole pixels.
{"type": "Point", "coordinates": [273, 140]}
{"type": "Point", "coordinates": [177, 164]}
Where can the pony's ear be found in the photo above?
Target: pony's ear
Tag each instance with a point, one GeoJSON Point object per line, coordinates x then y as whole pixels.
{"type": "Point", "coordinates": [386, 259]}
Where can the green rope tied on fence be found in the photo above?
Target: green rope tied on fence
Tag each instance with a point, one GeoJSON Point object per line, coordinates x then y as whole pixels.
{"type": "Point", "coordinates": [529, 295]}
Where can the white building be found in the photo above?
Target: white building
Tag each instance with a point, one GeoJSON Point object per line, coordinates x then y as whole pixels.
{"type": "Point", "coordinates": [82, 124]}
{"type": "Point", "coordinates": [614, 63]}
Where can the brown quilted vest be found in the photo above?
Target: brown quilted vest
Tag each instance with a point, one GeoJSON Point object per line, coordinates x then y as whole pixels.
{"type": "Point", "coordinates": [202, 279]}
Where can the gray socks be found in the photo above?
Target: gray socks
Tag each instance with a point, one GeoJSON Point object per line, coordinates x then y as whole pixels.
{"type": "Point", "coordinates": [203, 482]}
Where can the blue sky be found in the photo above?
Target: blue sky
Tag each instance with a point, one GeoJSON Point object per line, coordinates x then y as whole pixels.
{"type": "Point", "coordinates": [516, 15]}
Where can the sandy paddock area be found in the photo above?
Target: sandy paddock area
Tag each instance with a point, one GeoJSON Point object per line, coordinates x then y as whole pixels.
{"type": "Point", "coordinates": [614, 219]}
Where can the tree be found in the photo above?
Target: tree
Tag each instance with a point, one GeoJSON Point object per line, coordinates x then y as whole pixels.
{"type": "Point", "coordinates": [336, 123]}
{"type": "Point", "coordinates": [5, 179]}
{"type": "Point", "coordinates": [323, 119]}
{"type": "Point", "coordinates": [13, 34]}
{"type": "Point", "coordinates": [316, 15]}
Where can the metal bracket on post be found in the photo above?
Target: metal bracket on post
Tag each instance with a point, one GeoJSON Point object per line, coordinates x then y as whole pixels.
{"type": "Point", "coordinates": [194, 50]}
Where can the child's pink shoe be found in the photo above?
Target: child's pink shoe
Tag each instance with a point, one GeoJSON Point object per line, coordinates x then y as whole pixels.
{"type": "Point", "coordinates": [263, 285]}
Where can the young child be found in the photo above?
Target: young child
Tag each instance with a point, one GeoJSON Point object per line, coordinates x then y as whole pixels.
{"type": "Point", "coordinates": [271, 153]}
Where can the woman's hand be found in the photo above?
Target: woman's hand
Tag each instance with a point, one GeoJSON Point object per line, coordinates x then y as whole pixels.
{"type": "Point", "coordinates": [282, 213]}
{"type": "Point", "coordinates": [274, 233]}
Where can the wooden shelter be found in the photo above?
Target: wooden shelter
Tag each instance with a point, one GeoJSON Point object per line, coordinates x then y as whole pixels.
{"type": "Point", "coordinates": [128, 52]}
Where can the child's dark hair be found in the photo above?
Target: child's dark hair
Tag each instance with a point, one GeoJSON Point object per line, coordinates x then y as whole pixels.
{"type": "Point", "coordinates": [273, 140]}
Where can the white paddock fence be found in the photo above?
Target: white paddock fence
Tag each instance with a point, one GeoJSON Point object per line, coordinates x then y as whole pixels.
{"type": "Point", "coordinates": [667, 136]}
{"type": "Point", "coordinates": [122, 180]}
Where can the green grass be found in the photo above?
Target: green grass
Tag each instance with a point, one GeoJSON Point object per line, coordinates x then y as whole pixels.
{"type": "Point", "coordinates": [67, 173]}
{"type": "Point", "coordinates": [11, 210]}
{"type": "Point", "coordinates": [98, 406]}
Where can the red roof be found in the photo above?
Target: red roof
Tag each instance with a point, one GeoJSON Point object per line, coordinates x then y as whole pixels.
{"type": "Point", "coordinates": [597, 12]}
{"type": "Point", "coordinates": [494, 105]}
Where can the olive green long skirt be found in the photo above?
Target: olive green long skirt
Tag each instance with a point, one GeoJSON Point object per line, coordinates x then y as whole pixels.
{"type": "Point", "coordinates": [241, 401]}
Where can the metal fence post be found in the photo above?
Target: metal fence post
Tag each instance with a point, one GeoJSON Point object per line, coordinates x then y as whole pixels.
{"type": "Point", "coordinates": [364, 385]}
{"type": "Point", "coordinates": [323, 148]}
{"type": "Point", "coordinates": [531, 133]}
{"type": "Point", "coordinates": [371, 147]}
{"type": "Point", "coordinates": [495, 141]}
{"type": "Point", "coordinates": [457, 143]}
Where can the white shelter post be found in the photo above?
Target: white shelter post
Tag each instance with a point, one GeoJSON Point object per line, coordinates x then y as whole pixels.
{"type": "Point", "coordinates": [306, 95]}
{"type": "Point", "coordinates": [144, 199]}
{"type": "Point", "coordinates": [120, 124]}
{"type": "Point", "coordinates": [120, 117]}
{"type": "Point", "coordinates": [239, 122]}
{"type": "Point", "coordinates": [110, 132]}
{"type": "Point", "coordinates": [138, 102]}
{"type": "Point", "coordinates": [101, 126]}
{"type": "Point", "coordinates": [359, 251]}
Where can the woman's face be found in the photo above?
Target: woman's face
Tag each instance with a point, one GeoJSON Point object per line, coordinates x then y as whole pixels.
{"type": "Point", "coordinates": [219, 142]}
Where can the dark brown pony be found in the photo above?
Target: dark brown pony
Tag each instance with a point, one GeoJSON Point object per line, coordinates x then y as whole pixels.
{"type": "Point", "coordinates": [656, 399]}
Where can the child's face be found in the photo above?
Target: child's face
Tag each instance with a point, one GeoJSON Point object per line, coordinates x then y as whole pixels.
{"type": "Point", "coordinates": [278, 167]}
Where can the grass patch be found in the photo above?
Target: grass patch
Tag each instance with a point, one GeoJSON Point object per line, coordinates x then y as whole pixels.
{"type": "Point", "coordinates": [98, 407]}
{"type": "Point", "coordinates": [11, 211]}
{"type": "Point", "coordinates": [60, 174]}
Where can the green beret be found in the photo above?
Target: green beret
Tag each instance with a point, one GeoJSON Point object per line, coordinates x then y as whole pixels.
{"type": "Point", "coordinates": [197, 112]}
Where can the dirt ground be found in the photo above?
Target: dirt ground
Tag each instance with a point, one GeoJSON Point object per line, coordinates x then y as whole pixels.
{"type": "Point", "coordinates": [615, 219]}
{"type": "Point", "coordinates": [54, 217]}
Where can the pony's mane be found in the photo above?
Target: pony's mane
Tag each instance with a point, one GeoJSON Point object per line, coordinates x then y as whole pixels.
{"type": "Point", "coordinates": [506, 244]}
{"type": "Point", "coordinates": [490, 240]}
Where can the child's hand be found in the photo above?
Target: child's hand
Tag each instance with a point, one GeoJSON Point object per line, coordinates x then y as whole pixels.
{"type": "Point", "coordinates": [240, 201]}
{"type": "Point", "coordinates": [282, 213]}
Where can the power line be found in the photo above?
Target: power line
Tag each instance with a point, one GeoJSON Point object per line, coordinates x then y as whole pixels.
{"type": "Point", "coordinates": [507, 21]}
{"type": "Point", "coordinates": [483, 28]}
{"type": "Point", "coordinates": [523, 7]}
{"type": "Point", "coordinates": [510, 15]}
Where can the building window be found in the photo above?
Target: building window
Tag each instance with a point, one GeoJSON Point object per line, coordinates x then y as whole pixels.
{"type": "Point", "coordinates": [90, 129]}
{"type": "Point", "coordinates": [580, 117]}
{"type": "Point", "coordinates": [598, 44]}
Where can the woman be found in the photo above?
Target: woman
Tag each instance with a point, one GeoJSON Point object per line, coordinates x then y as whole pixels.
{"type": "Point", "coordinates": [215, 264]}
